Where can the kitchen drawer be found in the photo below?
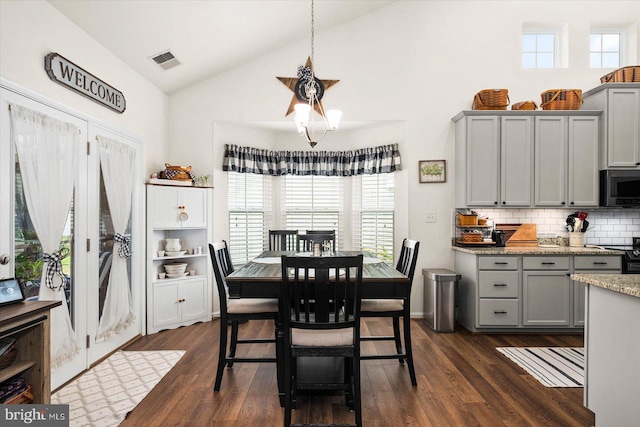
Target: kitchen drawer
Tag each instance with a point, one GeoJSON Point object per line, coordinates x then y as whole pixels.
{"type": "Point", "coordinates": [498, 284]}
{"type": "Point", "coordinates": [597, 262]}
{"type": "Point", "coordinates": [498, 312]}
{"type": "Point", "coordinates": [545, 263]}
{"type": "Point", "coordinates": [498, 263]}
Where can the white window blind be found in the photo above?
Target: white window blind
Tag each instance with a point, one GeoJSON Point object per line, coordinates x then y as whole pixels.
{"type": "Point", "coordinates": [373, 208]}
{"type": "Point", "coordinates": [249, 215]}
{"type": "Point", "coordinates": [313, 203]}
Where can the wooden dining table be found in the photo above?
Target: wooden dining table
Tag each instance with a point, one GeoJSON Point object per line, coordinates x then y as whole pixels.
{"type": "Point", "coordinates": [262, 278]}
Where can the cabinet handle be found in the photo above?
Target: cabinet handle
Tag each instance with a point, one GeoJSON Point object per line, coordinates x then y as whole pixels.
{"type": "Point", "coordinates": [548, 263]}
{"type": "Point", "coordinates": [495, 203]}
{"type": "Point", "coordinates": [499, 312]}
{"type": "Point", "coordinates": [572, 203]}
{"type": "Point", "coordinates": [181, 300]}
{"type": "Point", "coordinates": [600, 263]}
{"type": "Point", "coordinates": [501, 263]}
{"type": "Point", "coordinates": [500, 284]}
{"type": "Point", "coordinates": [563, 203]}
{"type": "Point", "coordinates": [504, 203]}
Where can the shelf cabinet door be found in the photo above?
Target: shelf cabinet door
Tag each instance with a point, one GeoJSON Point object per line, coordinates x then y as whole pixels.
{"type": "Point", "coordinates": [193, 294]}
{"type": "Point", "coordinates": [550, 161]}
{"type": "Point", "coordinates": [166, 305]}
{"type": "Point", "coordinates": [165, 206]}
{"type": "Point", "coordinates": [482, 161]}
{"type": "Point", "coordinates": [516, 161]}
{"type": "Point", "coordinates": [546, 298]}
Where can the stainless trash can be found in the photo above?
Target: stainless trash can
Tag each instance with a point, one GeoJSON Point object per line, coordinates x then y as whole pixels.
{"type": "Point", "coordinates": [439, 298]}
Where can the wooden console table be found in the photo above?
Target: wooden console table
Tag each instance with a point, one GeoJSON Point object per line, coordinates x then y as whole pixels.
{"type": "Point", "coordinates": [28, 323]}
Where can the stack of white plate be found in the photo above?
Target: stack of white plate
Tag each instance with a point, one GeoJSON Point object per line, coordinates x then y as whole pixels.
{"type": "Point", "coordinates": [175, 269]}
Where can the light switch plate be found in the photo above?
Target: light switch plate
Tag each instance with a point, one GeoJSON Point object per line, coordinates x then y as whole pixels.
{"type": "Point", "coordinates": [430, 217]}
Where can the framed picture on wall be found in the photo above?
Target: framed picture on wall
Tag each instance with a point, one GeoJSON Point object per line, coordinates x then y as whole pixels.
{"type": "Point", "coordinates": [432, 171]}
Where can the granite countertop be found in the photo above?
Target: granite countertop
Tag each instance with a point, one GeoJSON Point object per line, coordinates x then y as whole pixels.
{"type": "Point", "coordinates": [535, 250]}
{"type": "Point", "coordinates": [624, 283]}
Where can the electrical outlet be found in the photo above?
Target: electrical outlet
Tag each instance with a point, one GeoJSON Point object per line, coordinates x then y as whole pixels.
{"type": "Point", "coordinates": [430, 217]}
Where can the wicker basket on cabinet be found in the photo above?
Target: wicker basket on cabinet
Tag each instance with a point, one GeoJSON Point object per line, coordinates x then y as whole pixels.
{"type": "Point", "coordinates": [561, 99]}
{"type": "Point", "coordinates": [491, 99]}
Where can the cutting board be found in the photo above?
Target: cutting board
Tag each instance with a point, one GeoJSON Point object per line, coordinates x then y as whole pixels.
{"type": "Point", "coordinates": [525, 235]}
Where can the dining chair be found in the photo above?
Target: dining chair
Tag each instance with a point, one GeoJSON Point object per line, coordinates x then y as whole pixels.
{"type": "Point", "coordinates": [306, 241]}
{"type": "Point", "coordinates": [237, 310]}
{"type": "Point", "coordinates": [283, 240]}
{"type": "Point", "coordinates": [395, 309]}
{"type": "Point", "coordinates": [330, 232]}
{"type": "Point", "coordinates": [321, 300]}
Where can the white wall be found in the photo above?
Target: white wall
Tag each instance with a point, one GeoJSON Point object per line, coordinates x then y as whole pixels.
{"type": "Point", "coordinates": [29, 30]}
{"type": "Point", "coordinates": [419, 62]}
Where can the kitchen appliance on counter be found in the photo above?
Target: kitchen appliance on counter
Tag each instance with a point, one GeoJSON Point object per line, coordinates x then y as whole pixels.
{"type": "Point", "coordinates": [630, 257]}
{"type": "Point", "coordinates": [620, 188]}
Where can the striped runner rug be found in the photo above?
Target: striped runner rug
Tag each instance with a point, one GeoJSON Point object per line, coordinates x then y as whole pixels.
{"type": "Point", "coordinates": [552, 366]}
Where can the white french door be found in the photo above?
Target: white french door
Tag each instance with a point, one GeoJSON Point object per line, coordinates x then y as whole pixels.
{"type": "Point", "coordinates": [84, 236]}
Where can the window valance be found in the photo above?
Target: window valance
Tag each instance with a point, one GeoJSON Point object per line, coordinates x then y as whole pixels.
{"type": "Point", "coordinates": [373, 160]}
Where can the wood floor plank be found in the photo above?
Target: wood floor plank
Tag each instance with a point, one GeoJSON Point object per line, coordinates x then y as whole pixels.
{"type": "Point", "coordinates": [462, 381]}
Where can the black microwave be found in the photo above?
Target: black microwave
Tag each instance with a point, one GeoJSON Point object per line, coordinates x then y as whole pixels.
{"type": "Point", "coordinates": [620, 188]}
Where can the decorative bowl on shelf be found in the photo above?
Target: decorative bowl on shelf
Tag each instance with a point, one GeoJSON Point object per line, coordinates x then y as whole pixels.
{"type": "Point", "coordinates": [176, 269]}
{"type": "Point", "coordinates": [174, 253]}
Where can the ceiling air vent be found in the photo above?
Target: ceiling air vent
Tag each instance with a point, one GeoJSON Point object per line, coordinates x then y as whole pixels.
{"type": "Point", "coordinates": [166, 60]}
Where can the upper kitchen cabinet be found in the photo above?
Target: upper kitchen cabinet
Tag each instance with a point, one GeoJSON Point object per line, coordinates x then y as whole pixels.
{"type": "Point", "coordinates": [493, 160]}
{"type": "Point", "coordinates": [526, 158]}
{"type": "Point", "coordinates": [178, 207]}
{"type": "Point", "coordinates": [620, 132]}
{"type": "Point", "coordinates": [566, 161]}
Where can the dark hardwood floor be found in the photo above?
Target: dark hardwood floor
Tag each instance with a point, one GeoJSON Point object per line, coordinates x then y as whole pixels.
{"type": "Point", "coordinates": [462, 381]}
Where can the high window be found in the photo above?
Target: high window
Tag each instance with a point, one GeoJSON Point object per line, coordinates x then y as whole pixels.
{"type": "Point", "coordinates": [539, 49]}
{"type": "Point", "coordinates": [604, 49]}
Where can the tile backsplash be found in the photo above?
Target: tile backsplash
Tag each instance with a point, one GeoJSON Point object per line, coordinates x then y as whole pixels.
{"type": "Point", "coordinates": [606, 226]}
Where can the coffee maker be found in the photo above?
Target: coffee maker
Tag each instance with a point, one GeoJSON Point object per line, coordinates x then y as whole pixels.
{"type": "Point", "coordinates": [499, 237]}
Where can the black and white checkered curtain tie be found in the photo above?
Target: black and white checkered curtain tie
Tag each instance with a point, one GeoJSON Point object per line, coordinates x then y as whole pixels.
{"type": "Point", "coordinates": [125, 244]}
{"type": "Point", "coordinates": [54, 266]}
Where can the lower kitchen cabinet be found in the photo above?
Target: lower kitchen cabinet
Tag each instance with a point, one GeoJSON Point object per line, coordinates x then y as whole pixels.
{"type": "Point", "coordinates": [546, 297]}
{"type": "Point", "coordinates": [180, 302]}
{"type": "Point", "coordinates": [533, 292]}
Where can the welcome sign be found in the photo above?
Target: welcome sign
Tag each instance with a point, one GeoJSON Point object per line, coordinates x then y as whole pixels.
{"type": "Point", "coordinates": [68, 74]}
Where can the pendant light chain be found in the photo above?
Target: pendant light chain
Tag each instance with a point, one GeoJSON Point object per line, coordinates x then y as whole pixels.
{"type": "Point", "coordinates": [312, 40]}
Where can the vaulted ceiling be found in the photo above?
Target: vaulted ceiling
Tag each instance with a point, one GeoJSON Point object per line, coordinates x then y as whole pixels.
{"type": "Point", "coordinates": [207, 37]}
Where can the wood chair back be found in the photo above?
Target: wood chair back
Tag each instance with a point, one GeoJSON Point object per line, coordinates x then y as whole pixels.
{"type": "Point", "coordinates": [283, 240]}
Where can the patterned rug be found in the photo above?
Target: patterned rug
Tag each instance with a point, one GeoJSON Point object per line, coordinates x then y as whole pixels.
{"type": "Point", "coordinates": [552, 366]}
{"type": "Point", "coordinates": [105, 394]}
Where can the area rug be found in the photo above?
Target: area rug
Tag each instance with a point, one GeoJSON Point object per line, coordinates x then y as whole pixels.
{"type": "Point", "coordinates": [552, 366]}
{"type": "Point", "coordinates": [104, 395]}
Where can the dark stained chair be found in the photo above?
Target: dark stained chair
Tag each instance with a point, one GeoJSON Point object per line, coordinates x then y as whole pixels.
{"type": "Point", "coordinates": [396, 309]}
{"type": "Point", "coordinates": [306, 241]}
{"type": "Point", "coordinates": [283, 240]}
{"type": "Point", "coordinates": [234, 311]}
{"type": "Point", "coordinates": [330, 232]}
{"type": "Point", "coordinates": [321, 318]}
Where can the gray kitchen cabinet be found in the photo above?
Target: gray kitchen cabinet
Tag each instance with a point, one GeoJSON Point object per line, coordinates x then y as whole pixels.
{"type": "Point", "coordinates": [566, 161]}
{"type": "Point", "coordinates": [477, 160]}
{"type": "Point", "coordinates": [526, 159]}
{"type": "Point", "coordinates": [620, 132]}
{"type": "Point", "coordinates": [595, 265]}
{"type": "Point", "coordinates": [516, 165]}
{"type": "Point", "coordinates": [493, 161]}
{"type": "Point", "coordinates": [533, 292]}
{"type": "Point", "coordinates": [546, 297]}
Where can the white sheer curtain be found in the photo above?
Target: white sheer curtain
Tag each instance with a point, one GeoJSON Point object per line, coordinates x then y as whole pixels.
{"type": "Point", "coordinates": [47, 150]}
{"type": "Point", "coordinates": [117, 160]}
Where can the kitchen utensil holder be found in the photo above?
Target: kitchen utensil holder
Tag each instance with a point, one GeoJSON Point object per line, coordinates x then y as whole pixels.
{"type": "Point", "coordinates": [576, 239]}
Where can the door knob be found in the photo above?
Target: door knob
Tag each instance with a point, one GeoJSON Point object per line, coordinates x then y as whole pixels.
{"type": "Point", "coordinates": [4, 259]}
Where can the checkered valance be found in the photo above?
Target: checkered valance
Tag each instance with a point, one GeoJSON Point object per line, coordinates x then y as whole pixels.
{"type": "Point", "coordinates": [382, 159]}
